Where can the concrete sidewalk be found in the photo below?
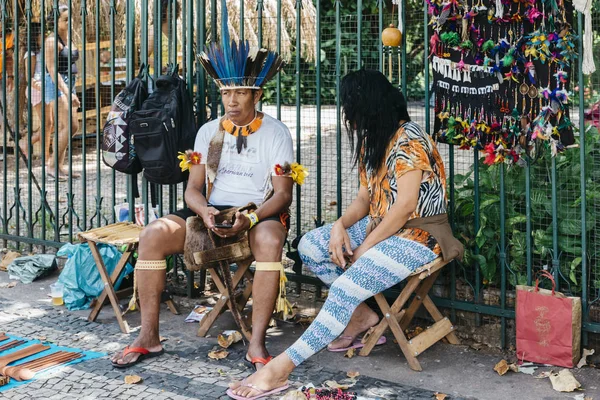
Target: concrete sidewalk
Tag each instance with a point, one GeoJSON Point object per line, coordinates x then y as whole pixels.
{"type": "Point", "coordinates": [185, 371]}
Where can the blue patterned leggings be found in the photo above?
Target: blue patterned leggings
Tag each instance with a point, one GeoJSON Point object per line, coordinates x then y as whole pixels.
{"type": "Point", "coordinates": [379, 268]}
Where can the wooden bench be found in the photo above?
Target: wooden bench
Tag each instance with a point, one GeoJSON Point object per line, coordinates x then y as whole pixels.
{"type": "Point", "coordinates": [398, 318]}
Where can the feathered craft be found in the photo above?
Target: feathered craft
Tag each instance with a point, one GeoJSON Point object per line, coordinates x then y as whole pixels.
{"type": "Point", "coordinates": [236, 65]}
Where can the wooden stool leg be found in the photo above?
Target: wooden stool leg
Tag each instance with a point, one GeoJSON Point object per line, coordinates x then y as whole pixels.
{"type": "Point", "coordinates": [113, 278]}
{"type": "Point", "coordinates": [108, 287]}
{"type": "Point", "coordinates": [224, 300]}
{"type": "Point", "coordinates": [420, 295]}
{"type": "Point", "coordinates": [437, 316]}
{"type": "Point", "coordinates": [411, 285]}
{"type": "Point", "coordinates": [172, 307]}
{"type": "Point", "coordinates": [392, 321]}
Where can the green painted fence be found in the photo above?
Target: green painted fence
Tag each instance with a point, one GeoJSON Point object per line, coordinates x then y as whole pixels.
{"type": "Point", "coordinates": [513, 221]}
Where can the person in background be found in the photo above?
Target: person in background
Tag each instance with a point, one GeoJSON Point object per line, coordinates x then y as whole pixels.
{"type": "Point", "coordinates": [167, 18]}
{"type": "Point", "coordinates": [58, 89]}
{"type": "Point", "coordinates": [35, 80]}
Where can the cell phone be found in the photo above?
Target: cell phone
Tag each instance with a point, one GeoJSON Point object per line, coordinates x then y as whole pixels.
{"type": "Point", "coordinates": [223, 225]}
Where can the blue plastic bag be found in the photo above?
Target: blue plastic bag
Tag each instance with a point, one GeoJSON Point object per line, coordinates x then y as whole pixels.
{"type": "Point", "coordinates": [80, 276]}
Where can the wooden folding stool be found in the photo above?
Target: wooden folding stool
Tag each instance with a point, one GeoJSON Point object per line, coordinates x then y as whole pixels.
{"type": "Point", "coordinates": [398, 318]}
{"type": "Point", "coordinates": [225, 302]}
{"type": "Point", "coordinates": [119, 234]}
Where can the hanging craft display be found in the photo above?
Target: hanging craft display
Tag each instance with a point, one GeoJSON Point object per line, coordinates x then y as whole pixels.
{"type": "Point", "coordinates": [501, 72]}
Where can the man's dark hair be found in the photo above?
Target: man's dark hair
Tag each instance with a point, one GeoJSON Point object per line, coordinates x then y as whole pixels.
{"type": "Point", "coordinates": [373, 109]}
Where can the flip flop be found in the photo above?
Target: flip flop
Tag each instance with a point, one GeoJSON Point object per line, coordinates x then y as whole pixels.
{"type": "Point", "coordinates": [254, 360]}
{"type": "Point", "coordinates": [357, 344]}
{"type": "Point", "coordinates": [261, 393]}
{"type": "Point", "coordinates": [144, 354]}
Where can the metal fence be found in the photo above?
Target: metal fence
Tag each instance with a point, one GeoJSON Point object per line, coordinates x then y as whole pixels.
{"type": "Point", "coordinates": [513, 221]}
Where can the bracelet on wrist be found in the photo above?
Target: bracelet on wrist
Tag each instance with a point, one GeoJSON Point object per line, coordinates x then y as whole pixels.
{"type": "Point", "coordinates": [253, 218]}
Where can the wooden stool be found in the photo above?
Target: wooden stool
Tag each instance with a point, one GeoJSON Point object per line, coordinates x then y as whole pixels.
{"type": "Point", "coordinates": [224, 302]}
{"type": "Point", "coordinates": [119, 234]}
{"type": "Point", "coordinates": [398, 318]}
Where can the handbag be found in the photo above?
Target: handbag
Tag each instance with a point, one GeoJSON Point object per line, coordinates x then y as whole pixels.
{"type": "Point", "coordinates": [548, 325]}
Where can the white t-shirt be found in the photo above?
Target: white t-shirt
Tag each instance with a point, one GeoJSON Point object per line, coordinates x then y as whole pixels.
{"type": "Point", "coordinates": [246, 177]}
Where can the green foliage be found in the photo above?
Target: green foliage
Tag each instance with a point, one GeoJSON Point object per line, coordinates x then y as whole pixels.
{"type": "Point", "coordinates": [487, 238]}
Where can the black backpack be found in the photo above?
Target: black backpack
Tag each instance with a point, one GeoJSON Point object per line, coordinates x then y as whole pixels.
{"type": "Point", "coordinates": [118, 151]}
{"type": "Point", "coordinates": [163, 127]}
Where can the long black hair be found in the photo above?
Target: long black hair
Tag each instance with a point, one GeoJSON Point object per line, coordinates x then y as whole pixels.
{"type": "Point", "coordinates": [373, 109]}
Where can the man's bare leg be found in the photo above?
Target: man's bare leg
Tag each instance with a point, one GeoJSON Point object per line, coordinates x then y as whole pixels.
{"type": "Point", "coordinates": [159, 239]}
{"type": "Point", "coordinates": [266, 242]}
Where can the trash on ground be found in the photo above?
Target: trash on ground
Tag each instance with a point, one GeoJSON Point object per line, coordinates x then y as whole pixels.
{"type": "Point", "coordinates": [29, 268]}
{"type": "Point", "coordinates": [564, 381]}
{"type": "Point", "coordinates": [440, 396]}
{"type": "Point", "coordinates": [8, 285]}
{"type": "Point", "coordinates": [353, 374]}
{"type": "Point", "coordinates": [528, 368]}
{"type": "Point", "coordinates": [198, 313]}
{"type": "Point", "coordinates": [501, 368]}
{"type": "Point", "coordinates": [350, 353]}
{"type": "Point", "coordinates": [583, 361]}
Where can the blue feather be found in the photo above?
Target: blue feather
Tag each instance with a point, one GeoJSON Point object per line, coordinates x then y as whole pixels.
{"type": "Point", "coordinates": [226, 41]}
{"type": "Point", "coordinates": [266, 67]}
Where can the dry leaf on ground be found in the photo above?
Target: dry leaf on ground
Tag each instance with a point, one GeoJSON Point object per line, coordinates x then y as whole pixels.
{"type": "Point", "coordinates": [227, 338]}
{"type": "Point", "coordinates": [221, 372]}
{"type": "Point", "coordinates": [411, 333]}
{"type": "Point", "coordinates": [218, 354]}
{"type": "Point", "coordinates": [353, 374]}
{"type": "Point", "coordinates": [162, 339]}
{"type": "Point", "coordinates": [501, 368]}
{"type": "Point", "coordinates": [294, 395]}
{"type": "Point", "coordinates": [564, 381]}
{"type": "Point", "coordinates": [476, 346]}
{"type": "Point", "coordinates": [513, 367]}
{"type": "Point", "coordinates": [350, 353]}
{"type": "Point", "coordinates": [7, 259]}
{"type": "Point", "coordinates": [336, 385]}
{"type": "Point", "coordinates": [41, 338]}
{"type": "Point", "coordinates": [8, 285]}
{"type": "Point", "coordinates": [583, 361]}
{"type": "Point", "coordinates": [133, 379]}
{"type": "Point", "coordinates": [543, 375]}
{"type": "Point", "coordinates": [440, 396]}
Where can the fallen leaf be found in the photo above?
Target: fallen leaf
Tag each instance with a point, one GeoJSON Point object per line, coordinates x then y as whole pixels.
{"type": "Point", "coordinates": [162, 339]}
{"type": "Point", "coordinates": [333, 203]}
{"type": "Point", "coordinates": [294, 395]}
{"type": "Point", "coordinates": [133, 379]}
{"type": "Point", "coordinates": [440, 396]}
{"type": "Point", "coordinates": [335, 385]}
{"type": "Point", "coordinates": [41, 338]}
{"type": "Point", "coordinates": [583, 361]}
{"type": "Point", "coordinates": [8, 285]}
{"type": "Point", "coordinates": [218, 354]}
{"type": "Point", "coordinates": [350, 353]}
{"type": "Point", "coordinates": [353, 374]}
{"type": "Point", "coordinates": [564, 381]}
{"type": "Point", "coordinates": [221, 372]}
{"type": "Point", "coordinates": [476, 346]}
{"type": "Point", "coordinates": [513, 367]}
{"type": "Point", "coordinates": [225, 341]}
{"type": "Point", "coordinates": [501, 368]}
{"type": "Point", "coordinates": [543, 375]}
{"type": "Point", "coordinates": [411, 333]}
{"type": "Point", "coordinates": [8, 259]}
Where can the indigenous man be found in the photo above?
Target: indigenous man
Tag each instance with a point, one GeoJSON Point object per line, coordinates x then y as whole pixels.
{"type": "Point", "coordinates": [254, 143]}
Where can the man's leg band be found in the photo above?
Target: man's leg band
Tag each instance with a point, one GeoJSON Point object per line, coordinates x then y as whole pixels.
{"type": "Point", "coordinates": [281, 304]}
{"type": "Point", "coordinates": [154, 265]}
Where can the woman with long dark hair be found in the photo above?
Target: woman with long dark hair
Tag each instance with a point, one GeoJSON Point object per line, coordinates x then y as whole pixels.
{"type": "Point", "coordinates": [65, 69]}
{"type": "Point", "coordinates": [381, 238]}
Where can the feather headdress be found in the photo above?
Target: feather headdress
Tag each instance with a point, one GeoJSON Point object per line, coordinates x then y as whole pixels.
{"type": "Point", "coordinates": [236, 64]}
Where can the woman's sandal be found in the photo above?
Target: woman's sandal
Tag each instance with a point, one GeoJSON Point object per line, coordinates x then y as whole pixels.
{"type": "Point", "coordinates": [257, 360]}
{"type": "Point", "coordinates": [356, 344]}
{"type": "Point", "coordinates": [260, 395]}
